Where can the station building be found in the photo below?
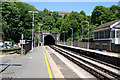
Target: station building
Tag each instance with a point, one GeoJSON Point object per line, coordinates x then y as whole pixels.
{"type": "Point", "coordinates": [62, 13]}
{"type": "Point", "coordinates": [107, 36]}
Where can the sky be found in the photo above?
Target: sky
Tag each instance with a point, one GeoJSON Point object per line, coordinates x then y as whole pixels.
{"type": "Point", "coordinates": [87, 7]}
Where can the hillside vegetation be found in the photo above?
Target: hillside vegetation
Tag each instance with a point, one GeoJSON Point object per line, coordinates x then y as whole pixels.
{"type": "Point", "coordinates": [16, 20]}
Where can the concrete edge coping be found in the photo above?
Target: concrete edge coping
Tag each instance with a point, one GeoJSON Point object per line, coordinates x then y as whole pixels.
{"type": "Point", "coordinates": [56, 72]}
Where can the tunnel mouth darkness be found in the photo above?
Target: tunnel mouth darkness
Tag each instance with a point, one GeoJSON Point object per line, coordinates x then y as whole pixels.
{"type": "Point", "coordinates": [49, 40]}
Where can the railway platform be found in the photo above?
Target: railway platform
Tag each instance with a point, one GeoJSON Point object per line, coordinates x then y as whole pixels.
{"type": "Point", "coordinates": [35, 64]}
{"type": "Point", "coordinates": [95, 51]}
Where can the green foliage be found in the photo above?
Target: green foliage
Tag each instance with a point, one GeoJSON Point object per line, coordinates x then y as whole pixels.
{"type": "Point", "coordinates": [36, 38]}
{"type": "Point", "coordinates": [17, 20]}
{"type": "Point", "coordinates": [103, 14]}
{"type": "Point", "coordinates": [116, 10]}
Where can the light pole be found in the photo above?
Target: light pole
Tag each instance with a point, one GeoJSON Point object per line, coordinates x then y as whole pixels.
{"type": "Point", "coordinates": [34, 41]}
{"type": "Point", "coordinates": [33, 26]}
{"type": "Point", "coordinates": [51, 13]}
{"type": "Point", "coordinates": [82, 33]}
{"type": "Point", "coordinates": [88, 36]}
{"type": "Point", "coordinates": [72, 37]}
{"type": "Point", "coordinates": [64, 37]}
{"type": "Point", "coordinates": [39, 35]}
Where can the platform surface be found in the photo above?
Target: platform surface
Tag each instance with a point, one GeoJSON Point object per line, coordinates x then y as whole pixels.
{"type": "Point", "coordinates": [32, 65]}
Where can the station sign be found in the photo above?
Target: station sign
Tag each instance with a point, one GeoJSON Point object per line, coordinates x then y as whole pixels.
{"type": "Point", "coordinates": [22, 41]}
{"type": "Point", "coordinates": [22, 36]}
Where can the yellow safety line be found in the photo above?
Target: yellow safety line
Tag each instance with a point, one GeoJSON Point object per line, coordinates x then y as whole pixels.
{"type": "Point", "coordinates": [49, 71]}
{"type": "Point", "coordinates": [1, 56]}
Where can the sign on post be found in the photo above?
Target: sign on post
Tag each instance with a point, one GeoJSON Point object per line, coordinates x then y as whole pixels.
{"type": "Point", "coordinates": [22, 36]}
{"type": "Point", "coordinates": [22, 41]}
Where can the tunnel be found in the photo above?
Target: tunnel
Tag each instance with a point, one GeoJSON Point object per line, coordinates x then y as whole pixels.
{"type": "Point", "coordinates": [49, 40]}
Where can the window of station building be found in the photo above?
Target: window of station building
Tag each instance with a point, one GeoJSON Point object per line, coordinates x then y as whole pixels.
{"type": "Point", "coordinates": [118, 34]}
{"type": "Point", "coordinates": [95, 35]}
{"type": "Point", "coordinates": [113, 34]}
{"type": "Point", "coordinates": [104, 46]}
{"type": "Point", "coordinates": [107, 34]}
{"type": "Point", "coordinates": [97, 46]}
{"type": "Point", "coordinates": [102, 34]}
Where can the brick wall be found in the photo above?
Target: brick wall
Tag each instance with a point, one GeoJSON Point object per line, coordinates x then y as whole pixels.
{"type": "Point", "coordinates": [27, 47]}
{"type": "Point", "coordinates": [115, 48]}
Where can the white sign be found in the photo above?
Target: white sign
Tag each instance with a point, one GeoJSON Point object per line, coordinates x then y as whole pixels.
{"type": "Point", "coordinates": [22, 41]}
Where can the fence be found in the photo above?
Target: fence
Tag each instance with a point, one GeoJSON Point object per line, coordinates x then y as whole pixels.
{"type": "Point", "coordinates": [66, 43]}
{"type": "Point", "coordinates": [79, 44]}
{"type": "Point", "coordinates": [92, 45]}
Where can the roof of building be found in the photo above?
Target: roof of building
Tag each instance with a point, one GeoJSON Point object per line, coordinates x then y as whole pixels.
{"type": "Point", "coordinates": [106, 25]}
{"type": "Point", "coordinates": [63, 12]}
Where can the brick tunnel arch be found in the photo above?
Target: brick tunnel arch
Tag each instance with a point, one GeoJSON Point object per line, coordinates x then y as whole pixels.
{"type": "Point", "coordinates": [49, 40]}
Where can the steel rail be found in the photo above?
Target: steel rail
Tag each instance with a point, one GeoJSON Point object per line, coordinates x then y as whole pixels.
{"type": "Point", "coordinates": [92, 71]}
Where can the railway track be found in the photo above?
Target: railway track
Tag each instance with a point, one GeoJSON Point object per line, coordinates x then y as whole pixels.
{"type": "Point", "coordinates": [99, 70]}
{"type": "Point", "coordinates": [89, 57]}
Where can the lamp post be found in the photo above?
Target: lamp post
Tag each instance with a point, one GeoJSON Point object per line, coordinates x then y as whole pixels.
{"type": "Point", "coordinates": [39, 35]}
{"type": "Point", "coordinates": [51, 13]}
{"type": "Point", "coordinates": [64, 37]}
{"type": "Point", "coordinates": [34, 41]}
{"type": "Point", "coordinates": [33, 26]}
{"type": "Point", "coordinates": [72, 37]}
{"type": "Point", "coordinates": [88, 36]}
{"type": "Point", "coordinates": [82, 33]}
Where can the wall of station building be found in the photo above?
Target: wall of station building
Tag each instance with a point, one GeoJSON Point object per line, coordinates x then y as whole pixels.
{"type": "Point", "coordinates": [105, 46]}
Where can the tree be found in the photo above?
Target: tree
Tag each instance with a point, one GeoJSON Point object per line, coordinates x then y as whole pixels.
{"type": "Point", "coordinates": [116, 10]}
{"type": "Point", "coordinates": [16, 21]}
{"type": "Point", "coordinates": [48, 21]}
{"type": "Point", "coordinates": [12, 19]}
{"type": "Point", "coordinates": [102, 14]}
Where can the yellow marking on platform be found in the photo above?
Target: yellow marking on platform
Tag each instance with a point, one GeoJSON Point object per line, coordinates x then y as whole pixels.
{"type": "Point", "coordinates": [49, 71]}
{"type": "Point", "coordinates": [13, 54]}
{"type": "Point", "coordinates": [109, 53]}
{"type": "Point", "coordinates": [1, 56]}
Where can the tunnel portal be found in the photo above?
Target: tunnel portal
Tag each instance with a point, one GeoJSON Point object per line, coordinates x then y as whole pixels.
{"type": "Point", "coordinates": [49, 40]}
